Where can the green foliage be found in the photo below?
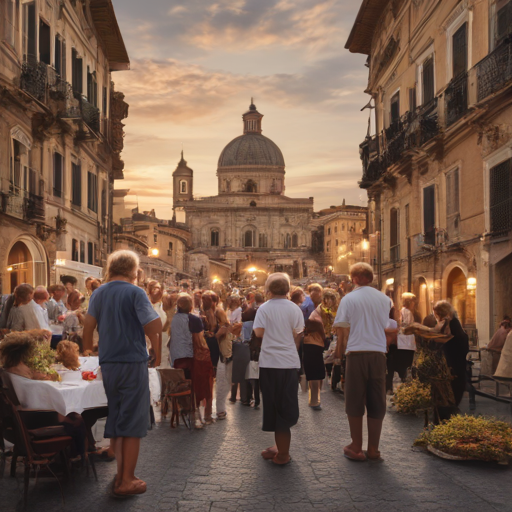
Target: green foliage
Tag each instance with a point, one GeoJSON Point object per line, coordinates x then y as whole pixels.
{"type": "Point", "coordinates": [412, 397]}
{"type": "Point", "coordinates": [471, 437]}
{"type": "Point", "coordinates": [42, 360]}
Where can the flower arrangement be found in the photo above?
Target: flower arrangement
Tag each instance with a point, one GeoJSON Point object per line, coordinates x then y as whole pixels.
{"type": "Point", "coordinates": [412, 397]}
{"type": "Point", "coordinates": [42, 359]}
{"type": "Point", "coordinates": [470, 437]}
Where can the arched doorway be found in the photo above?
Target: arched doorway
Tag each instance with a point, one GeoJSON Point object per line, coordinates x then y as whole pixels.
{"type": "Point", "coordinates": [26, 263]}
{"type": "Point", "coordinates": [456, 293]}
{"type": "Point", "coordinates": [422, 293]}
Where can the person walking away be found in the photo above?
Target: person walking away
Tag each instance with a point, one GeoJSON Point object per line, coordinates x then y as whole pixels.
{"type": "Point", "coordinates": [406, 343]}
{"type": "Point", "coordinates": [313, 359]}
{"type": "Point", "coordinates": [241, 353]}
{"type": "Point", "coordinates": [495, 346]}
{"type": "Point", "coordinates": [124, 361]}
{"type": "Point", "coordinates": [360, 323]}
{"type": "Point", "coordinates": [279, 322]}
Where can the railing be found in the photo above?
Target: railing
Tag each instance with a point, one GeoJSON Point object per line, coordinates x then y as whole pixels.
{"type": "Point", "coordinates": [495, 70]}
{"type": "Point", "coordinates": [456, 98]}
{"type": "Point", "coordinates": [44, 83]}
{"type": "Point", "coordinates": [22, 204]}
{"type": "Point", "coordinates": [169, 252]}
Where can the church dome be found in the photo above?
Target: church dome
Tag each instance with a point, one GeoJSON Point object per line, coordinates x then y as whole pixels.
{"type": "Point", "coordinates": [252, 148]}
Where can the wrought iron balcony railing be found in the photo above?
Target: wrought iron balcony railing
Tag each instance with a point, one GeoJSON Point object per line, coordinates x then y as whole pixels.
{"type": "Point", "coordinates": [33, 79]}
{"type": "Point", "coordinates": [495, 70]}
{"type": "Point", "coordinates": [22, 204]}
{"type": "Point", "coordinates": [456, 98]}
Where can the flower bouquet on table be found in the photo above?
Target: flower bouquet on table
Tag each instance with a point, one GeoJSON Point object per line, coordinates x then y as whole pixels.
{"type": "Point", "coordinates": [469, 438]}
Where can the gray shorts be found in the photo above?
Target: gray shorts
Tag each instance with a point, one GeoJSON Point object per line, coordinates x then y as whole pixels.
{"type": "Point", "coordinates": [127, 389]}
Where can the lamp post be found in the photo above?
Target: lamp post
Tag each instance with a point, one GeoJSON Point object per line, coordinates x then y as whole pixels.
{"type": "Point", "coordinates": [365, 245]}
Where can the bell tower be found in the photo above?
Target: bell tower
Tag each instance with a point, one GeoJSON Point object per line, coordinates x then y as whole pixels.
{"type": "Point", "coordinates": [252, 119]}
{"type": "Point", "coordinates": [183, 183]}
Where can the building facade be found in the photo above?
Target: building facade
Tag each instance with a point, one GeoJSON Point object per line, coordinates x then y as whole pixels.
{"type": "Point", "coordinates": [438, 170]}
{"type": "Point", "coordinates": [61, 136]}
{"type": "Point", "coordinates": [250, 222]}
{"type": "Point", "coordinates": [344, 237]}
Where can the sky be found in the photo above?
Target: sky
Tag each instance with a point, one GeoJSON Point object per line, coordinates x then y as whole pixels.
{"type": "Point", "coordinates": [195, 64]}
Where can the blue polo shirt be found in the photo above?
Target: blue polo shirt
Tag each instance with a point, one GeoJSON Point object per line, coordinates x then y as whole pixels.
{"type": "Point", "coordinates": [121, 310]}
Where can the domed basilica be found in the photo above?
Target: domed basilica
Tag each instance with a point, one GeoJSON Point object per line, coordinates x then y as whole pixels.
{"type": "Point", "coordinates": [250, 223]}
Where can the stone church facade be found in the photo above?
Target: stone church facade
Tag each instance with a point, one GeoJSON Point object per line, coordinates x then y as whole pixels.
{"type": "Point", "coordinates": [250, 223]}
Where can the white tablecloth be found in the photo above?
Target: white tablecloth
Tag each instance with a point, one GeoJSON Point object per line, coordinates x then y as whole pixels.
{"type": "Point", "coordinates": [69, 397]}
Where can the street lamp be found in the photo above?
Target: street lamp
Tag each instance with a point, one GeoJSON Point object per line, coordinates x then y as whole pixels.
{"type": "Point", "coordinates": [365, 245]}
{"type": "Point", "coordinates": [154, 252]}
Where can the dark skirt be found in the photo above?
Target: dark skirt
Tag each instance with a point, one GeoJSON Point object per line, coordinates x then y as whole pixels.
{"type": "Point", "coordinates": [313, 362]}
{"type": "Point", "coordinates": [213, 345]}
{"type": "Point", "coordinates": [241, 358]}
{"type": "Point", "coordinates": [279, 389]}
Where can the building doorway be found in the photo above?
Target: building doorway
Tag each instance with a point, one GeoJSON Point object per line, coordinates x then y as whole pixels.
{"type": "Point", "coordinates": [502, 285]}
{"type": "Point", "coordinates": [456, 293]}
{"type": "Point", "coordinates": [422, 293]}
{"type": "Point", "coordinates": [19, 265]}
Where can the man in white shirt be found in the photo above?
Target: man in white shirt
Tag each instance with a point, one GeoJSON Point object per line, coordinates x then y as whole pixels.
{"type": "Point", "coordinates": [279, 322]}
{"type": "Point", "coordinates": [41, 297]}
{"type": "Point", "coordinates": [360, 326]}
{"type": "Point", "coordinates": [23, 316]}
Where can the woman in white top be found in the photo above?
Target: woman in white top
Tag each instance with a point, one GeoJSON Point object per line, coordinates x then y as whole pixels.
{"type": "Point", "coordinates": [279, 322]}
{"type": "Point", "coordinates": [155, 294]}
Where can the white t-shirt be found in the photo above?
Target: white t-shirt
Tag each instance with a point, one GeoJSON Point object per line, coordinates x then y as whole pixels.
{"type": "Point", "coordinates": [366, 311]}
{"type": "Point", "coordinates": [235, 315]}
{"type": "Point", "coordinates": [280, 318]}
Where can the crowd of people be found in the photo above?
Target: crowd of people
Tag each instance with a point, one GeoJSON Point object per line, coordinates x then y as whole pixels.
{"type": "Point", "coordinates": [247, 346]}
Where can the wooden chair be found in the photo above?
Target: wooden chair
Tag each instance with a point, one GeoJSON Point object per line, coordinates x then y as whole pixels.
{"type": "Point", "coordinates": [177, 391]}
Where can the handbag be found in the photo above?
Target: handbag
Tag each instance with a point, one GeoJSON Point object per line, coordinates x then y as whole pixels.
{"type": "Point", "coordinates": [253, 370]}
{"type": "Point", "coordinates": [406, 342]}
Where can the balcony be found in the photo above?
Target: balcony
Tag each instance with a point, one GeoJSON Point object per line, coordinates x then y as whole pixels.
{"type": "Point", "coordinates": [22, 204]}
{"type": "Point", "coordinates": [45, 84]}
{"type": "Point", "coordinates": [456, 98]}
{"type": "Point", "coordinates": [394, 253]}
{"type": "Point", "coordinates": [169, 252]}
{"type": "Point", "coordinates": [495, 70]}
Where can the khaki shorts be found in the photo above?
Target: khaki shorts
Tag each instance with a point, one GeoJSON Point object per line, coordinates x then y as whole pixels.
{"type": "Point", "coordinates": [365, 384]}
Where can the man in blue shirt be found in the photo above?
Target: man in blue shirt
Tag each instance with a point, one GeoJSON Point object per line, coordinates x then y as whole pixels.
{"type": "Point", "coordinates": [124, 317]}
{"type": "Point", "coordinates": [312, 300]}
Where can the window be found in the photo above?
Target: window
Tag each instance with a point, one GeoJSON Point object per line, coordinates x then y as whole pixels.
{"type": "Point", "coordinates": [412, 99]}
{"type": "Point", "coordinates": [503, 21]}
{"type": "Point", "coordinates": [336, 228]}
{"type": "Point", "coordinates": [77, 72]}
{"type": "Point", "coordinates": [214, 238]}
{"type": "Point", "coordinates": [248, 238]}
{"type": "Point", "coordinates": [428, 80]}
{"type": "Point", "coordinates": [104, 211]}
{"type": "Point", "coordinates": [460, 51]}
{"type": "Point", "coordinates": [183, 187]}
{"type": "Point", "coordinates": [295, 240]}
{"type": "Point", "coordinates": [395, 108]}
{"type": "Point", "coordinates": [90, 253]}
{"type": "Point", "coordinates": [251, 186]}
{"type": "Point", "coordinates": [328, 246]}
{"type": "Point", "coordinates": [501, 197]}
{"type": "Point", "coordinates": [328, 231]}
{"type": "Point", "coordinates": [394, 234]}
{"type": "Point", "coordinates": [29, 31]}
{"type": "Point", "coordinates": [263, 240]}
{"type": "Point", "coordinates": [343, 227]}
{"type": "Point", "coordinates": [429, 215]}
{"type": "Point", "coordinates": [105, 102]}
{"type": "Point", "coordinates": [60, 56]}
{"type": "Point", "coordinates": [452, 204]}
{"type": "Point", "coordinates": [155, 238]}
{"type": "Point", "coordinates": [337, 242]}
{"type": "Point", "coordinates": [32, 181]}
{"type": "Point", "coordinates": [74, 249]}
{"type": "Point", "coordinates": [92, 88]}
{"type": "Point", "coordinates": [44, 43]}
{"type": "Point", "coordinates": [58, 161]}
{"type": "Point", "coordinates": [9, 16]}
{"type": "Point", "coordinates": [287, 241]}
{"type": "Point", "coordinates": [96, 255]}
{"type": "Point", "coordinates": [92, 192]}
{"type": "Point", "coordinates": [76, 184]}
{"type": "Point", "coordinates": [82, 251]}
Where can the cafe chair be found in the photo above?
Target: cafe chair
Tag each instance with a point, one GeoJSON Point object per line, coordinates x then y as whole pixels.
{"type": "Point", "coordinates": [38, 447]}
{"type": "Point", "coordinates": [176, 392]}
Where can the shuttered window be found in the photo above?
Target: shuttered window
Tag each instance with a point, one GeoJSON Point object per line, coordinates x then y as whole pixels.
{"type": "Point", "coordinates": [92, 192]}
{"type": "Point", "coordinates": [429, 214]}
{"type": "Point", "coordinates": [82, 252]}
{"type": "Point", "coordinates": [412, 99]}
{"type": "Point", "coordinates": [452, 204]}
{"type": "Point", "coordinates": [90, 253]}
{"type": "Point", "coordinates": [76, 184]}
{"type": "Point", "coordinates": [395, 108]}
{"type": "Point", "coordinates": [428, 80]}
{"type": "Point", "coordinates": [460, 51]}
{"type": "Point", "coordinates": [74, 250]}
{"type": "Point", "coordinates": [58, 162]}
{"type": "Point", "coordinates": [501, 197]}
{"type": "Point", "coordinates": [394, 234]}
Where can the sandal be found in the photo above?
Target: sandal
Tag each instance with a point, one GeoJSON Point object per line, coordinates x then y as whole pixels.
{"type": "Point", "coordinates": [281, 463]}
{"type": "Point", "coordinates": [209, 421]}
{"type": "Point", "coordinates": [222, 415]}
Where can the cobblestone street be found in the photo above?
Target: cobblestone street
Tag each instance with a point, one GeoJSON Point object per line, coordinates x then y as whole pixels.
{"type": "Point", "coordinates": [220, 469]}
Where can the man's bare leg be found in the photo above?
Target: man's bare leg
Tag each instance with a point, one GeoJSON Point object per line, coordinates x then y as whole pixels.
{"type": "Point", "coordinates": [355, 449]}
{"type": "Point", "coordinates": [283, 440]}
{"type": "Point", "coordinates": [116, 443]}
{"type": "Point", "coordinates": [374, 430]}
{"type": "Point", "coordinates": [127, 448]}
